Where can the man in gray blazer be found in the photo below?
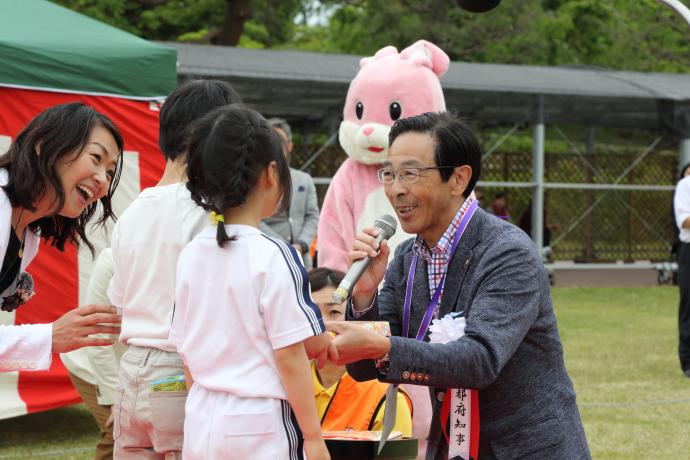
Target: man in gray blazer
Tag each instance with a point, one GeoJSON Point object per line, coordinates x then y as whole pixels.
{"type": "Point", "coordinates": [297, 224]}
{"type": "Point", "coordinates": [510, 352]}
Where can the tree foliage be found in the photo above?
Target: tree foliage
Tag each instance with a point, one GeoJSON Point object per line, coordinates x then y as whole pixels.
{"type": "Point", "coordinates": [624, 34]}
{"type": "Point", "coordinates": [260, 23]}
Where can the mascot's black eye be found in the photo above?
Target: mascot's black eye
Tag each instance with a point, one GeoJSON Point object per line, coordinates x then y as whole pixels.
{"type": "Point", "coordinates": [359, 110]}
{"type": "Point", "coordinates": [395, 110]}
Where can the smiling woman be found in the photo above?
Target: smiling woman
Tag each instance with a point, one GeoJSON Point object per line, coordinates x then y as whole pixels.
{"type": "Point", "coordinates": [90, 173]}
{"type": "Point", "coordinates": [61, 164]}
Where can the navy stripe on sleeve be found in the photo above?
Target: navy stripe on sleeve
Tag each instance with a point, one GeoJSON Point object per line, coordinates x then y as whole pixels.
{"type": "Point", "coordinates": [300, 280]}
{"type": "Point", "coordinates": [292, 431]}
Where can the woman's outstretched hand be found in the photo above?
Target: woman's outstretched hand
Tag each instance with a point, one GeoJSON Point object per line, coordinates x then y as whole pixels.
{"type": "Point", "coordinates": [72, 330]}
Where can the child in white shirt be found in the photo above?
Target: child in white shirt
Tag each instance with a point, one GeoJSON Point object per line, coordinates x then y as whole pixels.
{"type": "Point", "coordinates": [146, 243]}
{"type": "Point", "coordinates": [242, 303]}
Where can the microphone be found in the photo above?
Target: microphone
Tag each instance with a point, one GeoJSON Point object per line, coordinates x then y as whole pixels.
{"type": "Point", "coordinates": [386, 225]}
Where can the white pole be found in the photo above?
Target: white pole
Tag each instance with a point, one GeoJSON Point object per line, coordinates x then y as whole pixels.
{"type": "Point", "coordinates": [678, 7]}
{"type": "Point", "coordinates": [538, 177]}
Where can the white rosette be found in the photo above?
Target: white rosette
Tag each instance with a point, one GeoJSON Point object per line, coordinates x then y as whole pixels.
{"type": "Point", "coordinates": [446, 329]}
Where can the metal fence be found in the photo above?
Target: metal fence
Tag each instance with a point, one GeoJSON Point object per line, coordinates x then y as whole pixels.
{"type": "Point", "coordinates": [630, 224]}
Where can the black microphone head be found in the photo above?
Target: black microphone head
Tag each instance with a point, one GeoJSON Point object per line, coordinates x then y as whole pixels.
{"type": "Point", "coordinates": [387, 224]}
{"type": "Point", "coordinates": [478, 6]}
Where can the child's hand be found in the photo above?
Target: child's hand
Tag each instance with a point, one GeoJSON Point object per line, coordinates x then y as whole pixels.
{"type": "Point", "coordinates": [316, 449]}
{"type": "Point", "coordinates": [321, 348]}
{"type": "Point", "coordinates": [355, 343]}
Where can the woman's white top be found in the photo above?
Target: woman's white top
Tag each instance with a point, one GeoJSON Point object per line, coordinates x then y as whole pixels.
{"type": "Point", "coordinates": [27, 346]}
{"type": "Point", "coordinates": [234, 306]}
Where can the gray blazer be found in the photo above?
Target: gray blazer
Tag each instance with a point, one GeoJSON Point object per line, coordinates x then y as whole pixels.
{"type": "Point", "coordinates": [511, 350]}
{"type": "Point", "coordinates": [299, 225]}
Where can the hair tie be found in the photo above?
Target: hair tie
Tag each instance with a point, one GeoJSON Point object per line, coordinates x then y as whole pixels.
{"type": "Point", "coordinates": [215, 218]}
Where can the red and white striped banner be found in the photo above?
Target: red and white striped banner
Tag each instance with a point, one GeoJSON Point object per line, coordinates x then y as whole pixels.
{"type": "Point", "coordinates": [61, 278]}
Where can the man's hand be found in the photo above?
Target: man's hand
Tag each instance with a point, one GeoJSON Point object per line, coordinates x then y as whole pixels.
{"type": "Point", "coordinates": [72, 330]}
{"type": "Point", "coordinates": [298, 248]}
{"type": "Point", "coordinates": [355, 343]}
{"type": "Point", "coordinates": [321, 348]}
{"type": "Point", "coordinates": [366, 246]}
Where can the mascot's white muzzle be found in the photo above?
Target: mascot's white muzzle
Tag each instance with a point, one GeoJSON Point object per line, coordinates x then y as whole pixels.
{"type": "Point", "coordinates": [367, 143]}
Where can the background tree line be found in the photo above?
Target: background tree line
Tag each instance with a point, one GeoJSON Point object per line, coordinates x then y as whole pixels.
{"type": "Point", "coordinates": [619, 34]}
{"type": "Point", "coordinates": [639, 35]}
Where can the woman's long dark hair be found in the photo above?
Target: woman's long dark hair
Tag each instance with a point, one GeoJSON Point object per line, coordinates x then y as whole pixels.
{"type": "Point", "coordinates": [59, 132]}
{"type": "Point", "coordinates": [228, 151]}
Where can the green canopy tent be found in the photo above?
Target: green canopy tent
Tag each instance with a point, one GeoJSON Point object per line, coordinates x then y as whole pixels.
{"type": "Point", "coordinates": [51, 55]}
{"type": "Point", "coordinates": [46, 46]}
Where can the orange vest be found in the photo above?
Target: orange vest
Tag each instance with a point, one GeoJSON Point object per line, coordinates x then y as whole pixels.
{"type": "Point", "coordinates": [354, 405]}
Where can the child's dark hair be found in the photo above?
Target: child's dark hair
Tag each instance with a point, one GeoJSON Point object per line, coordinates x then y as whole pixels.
{"type": "Point", "coordinates": [228, 150]}
{"type": "Point", "coordinates": [321, 277]}
{"type": "Point", "coordinates": [186, 104]}
{"type": "Point", "coordinates": [59, 132]}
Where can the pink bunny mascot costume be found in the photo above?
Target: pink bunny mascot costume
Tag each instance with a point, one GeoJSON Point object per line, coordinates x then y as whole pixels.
{"type": "Point", "coordinates": [389, 86]}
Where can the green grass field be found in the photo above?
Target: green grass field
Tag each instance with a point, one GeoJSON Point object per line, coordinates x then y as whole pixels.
{"type": "Point", "coordinates": [620, 350]}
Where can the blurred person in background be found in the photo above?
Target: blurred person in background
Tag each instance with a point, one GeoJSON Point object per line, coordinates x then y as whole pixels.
{"type": "Point", "coordinates": [681, 206]}
{"type": "Point", "coordinates": [499, 206]}
{"type": "Point", "coordinates": [297, 224]}
{"type": "Point", "coordinates": [675, 245]}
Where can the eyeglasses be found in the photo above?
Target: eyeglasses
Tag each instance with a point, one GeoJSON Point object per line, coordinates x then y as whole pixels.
{"type": "Point", "coordinates": [405, 175]}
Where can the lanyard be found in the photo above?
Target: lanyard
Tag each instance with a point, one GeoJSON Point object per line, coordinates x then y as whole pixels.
{"type": "Point", "coordinates": [437, 292]}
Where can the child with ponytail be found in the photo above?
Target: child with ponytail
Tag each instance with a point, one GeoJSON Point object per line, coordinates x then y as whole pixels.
{"type": "Point", "coordinates": [243, 311]}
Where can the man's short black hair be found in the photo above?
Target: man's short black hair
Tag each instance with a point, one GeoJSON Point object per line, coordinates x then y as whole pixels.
{"type": "Point", "coordinates": [186, 104]}
{"type": "Point", "coordinates": [455, 142]}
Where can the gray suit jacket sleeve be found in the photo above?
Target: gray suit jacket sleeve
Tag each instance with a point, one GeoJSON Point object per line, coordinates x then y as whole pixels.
{"type": "Point", "coordinates": [311, 214]}
{"type": "Point", "coordinates": [503, 308]}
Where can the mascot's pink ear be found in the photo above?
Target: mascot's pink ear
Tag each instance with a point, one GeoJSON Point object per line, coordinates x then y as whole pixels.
{"type": "Point", "coordinates": [383, 52]}
{"type": "Point", "coordinates": [427, 54]}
